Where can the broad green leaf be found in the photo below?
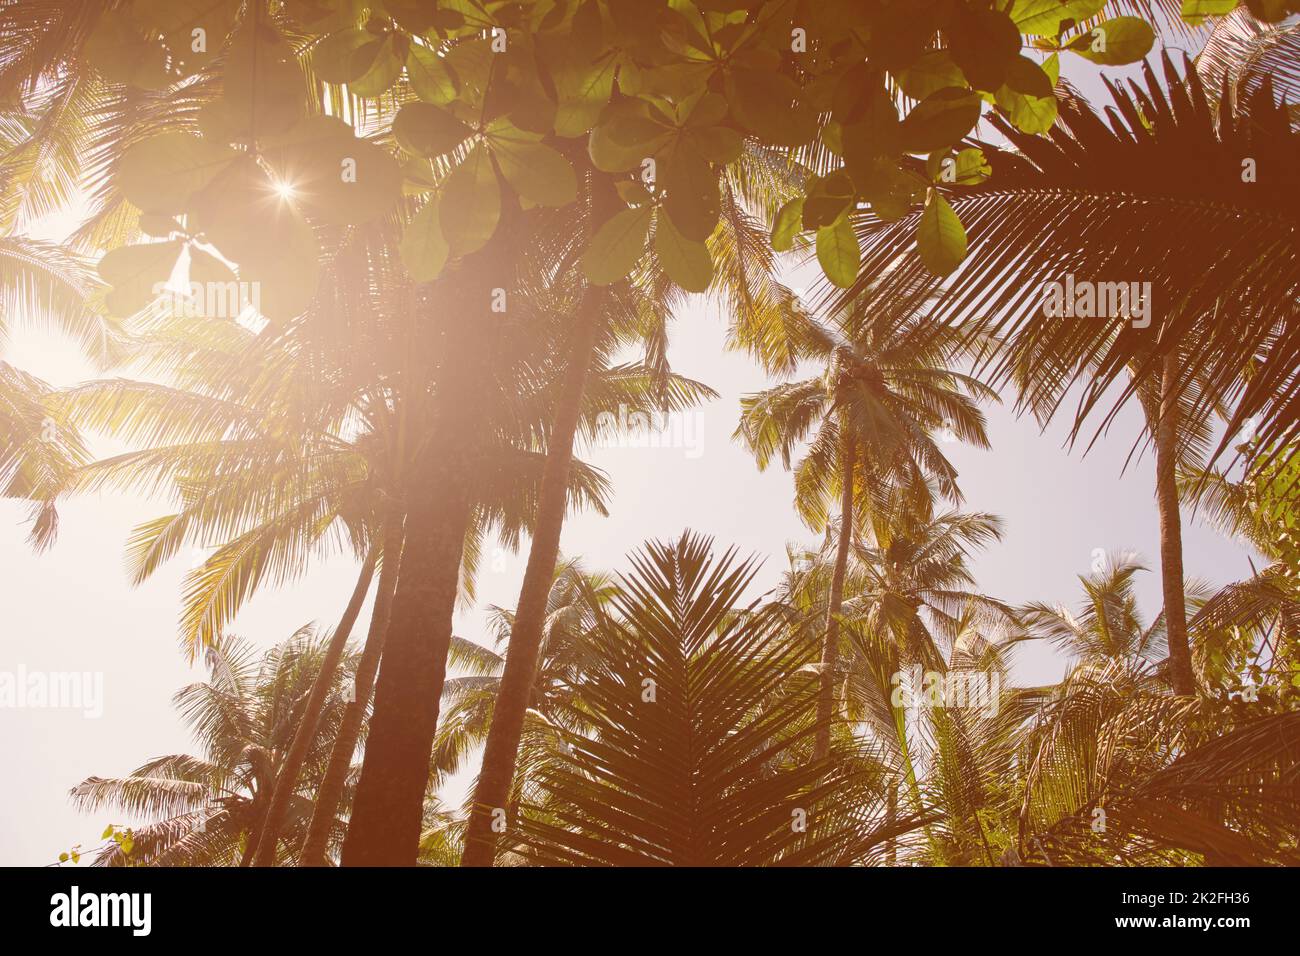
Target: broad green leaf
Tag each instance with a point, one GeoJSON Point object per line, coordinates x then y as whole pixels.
{"type": "Point", "coordinates": [874, 135]}
{"type": "Point", "coordinates": [1195, 11]}
{"type": "Point", "coordinates": [423, 248]}
{"type": "Point", "coordinates": [826, 199]}
{"type": "Point", "coordinates": [632, 192]}
{"type": "Point", "coordinates": [703, 110]}
{"type": "Point", "coordinates": [691, 195]}
{"type": "Point", "coordinates": [332, 58]}
{"type": "Point", "coordinates": [534, 170]}
{"type": "Point", "coordinates": [264, 90]}
{"type": "Point", "coordinates": [137, 274]}
{"type": "Point", "coordinates": [983, 43]}
{"type": "Point", "coordinates": [1115, 42]}
{"type": "Point", "coordinates": [428, 130]}
{"type": "Point", "coordinates": [838, 252]}
{"type": "Point", "coordinates": [582, 91]}
{"type": "Point", "coordinates": [766, 103]}
{"type": "Point", "coordinates": [1052, 67]}
{"type": "Point", "coordinates": [940, 236]}
{"type": "Point", "coordinates": [245, 217]}
{"type": "Point", "coordinates": [967, 168]}
{"type": "Point", "coordinates": [1044, 17]}
{"type": "Point", "coordinates": [625, 137]}
{"type": "Point", "coordinates": [891, 191]}
{"type": "Point", "coordinates": [385, 66]}
{"type": "Point", "coordinates": [359, 181]}
{"type": "Point", "coordinates": [118, 48]}
{"type": "Point", "coordinates": [687, 263]}
{"type": "Point", "coordinates": [470, 205]}
{"type": "Point", "coordinates": [336, 176]}
{"type": "Point", "coordinates": [429, 76]}
{"type": "Point", "coordinates": [718, 144]}
{"type": "Point", "coordinates": [178, 21]}
{"type": "Point", "coordinates": [415, 16]}
{"type": "Point", "coordinates": [932, 72]}
{"type": "Point", "coordinates": [617, 246]}
{"type": "Point", "coordinates": [789, 220]}
{"type": "Point", "coordinates": [1027, 97]}
{"type": "Point", "coordinates": [940, 120]}
{"type": "Point", "coordinates": [286, 283]}
{"type": "Point", "coordinates": [159, 174]}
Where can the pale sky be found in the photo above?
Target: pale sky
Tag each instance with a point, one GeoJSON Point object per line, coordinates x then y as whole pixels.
{"type": "Point", "coordinates": [71, 609]}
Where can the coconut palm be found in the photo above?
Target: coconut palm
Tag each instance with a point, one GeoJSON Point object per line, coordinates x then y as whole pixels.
{"type": "Point", "coordinates": [871, 419]}
{"type": "Point", "coordinates": [202, 810]}
{"type": "Point", "coordinates": [697, 749]}
{"type": "Point", "coordinates": [1100, 187]}
{"type": "Point", "coordinates": [471, 698]}
{"type": "Point", "coordinates": [1108, 625]}
{"type": "Point", "coordinates": [910, 611]}
{"type": "Point", "coordinates": [1119, 774]}
{"type": "Point", "coordinates": [761, 311]}
{"type": "Point", "coordinates": [1259, 615]}
{"type": "Point", "coordinates": [43, 283]}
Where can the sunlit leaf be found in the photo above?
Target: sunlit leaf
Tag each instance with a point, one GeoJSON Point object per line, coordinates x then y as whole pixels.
{"type": "Point", "coordinates": [940, 236]}
{"type": "Point", "coordinates": [617, 246]}
{"type": "Point", "coordinates": [159, 174]}
{"type": "Point", "coordinates": [687, 262]}
{"type": "Point", "coordinates": [470, 206]}
{"type": "Point", "coordinates": [1115, 42]}
{"type": "Point", "coordinates": [424, 250]}
{"type": "Point", "coordinates": [838, 252]}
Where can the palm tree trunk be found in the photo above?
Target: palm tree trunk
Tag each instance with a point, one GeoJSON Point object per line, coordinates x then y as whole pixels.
{"type": "Point", "coordinates": [502, 748]}
{"type": "Point", "coordinates": [501, 751]}
{"type": "Point", "coordinates": [330, 793]}
{"type": "Point", "coordinates": [1171, 531]}
{"type": "Point", "coordinates": [831, 646]}
{"type": "Point", "coordinates": [266, 838]}
{"type": "Point", "coordinates": [387, 812]}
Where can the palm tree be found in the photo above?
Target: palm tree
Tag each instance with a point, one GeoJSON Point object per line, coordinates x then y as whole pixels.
{"type": "Point", "coordinates": [870, 421]}
{"type": "Point", "coordinates": [909, 604]}
{"type": "Point", "coordinates": [761, 309]}
{"type": "Point", "coordinates": [697, 750]}
{"type": "Point", "coordinates": [1171, 147]}
{"type": "Point", "coordinates": [1116, 772]}
{"type": "Point", "coordinates": [1108, 625]}
{"type": "Point", "coordinates": [43, 283]}
{"type": "Point", "coordinates": [204, 809]}
{"type": "Point", "coordinates": [1190, 361]}
{"type": "Point", "coordinates": [1244, 620]}
{"type": "Point", "coordinates": [472, 698]}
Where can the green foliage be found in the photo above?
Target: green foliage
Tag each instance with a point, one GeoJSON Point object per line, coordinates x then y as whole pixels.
{"type": "Point", "coordinates": [506, 92]}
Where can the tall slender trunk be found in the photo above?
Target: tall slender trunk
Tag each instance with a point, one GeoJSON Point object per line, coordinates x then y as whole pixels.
{"type": "Point", "coordinates": [501, 751]}
{"type": "Point", "coordinates": [831, 646]}
{"type": "Point", "coordinates": [891, 817]}
{"type": "Point", "coordinates": [266, 838]}
{"type": "Point", "coordinates": [330, 793]}
{"type": "Point", "coordinates": [1171, 531]}
{"type": "Point", "coordinates": [387, 811]}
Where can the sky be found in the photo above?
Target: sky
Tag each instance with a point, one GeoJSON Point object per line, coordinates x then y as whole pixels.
{"type": "Point", "coordinates": [72, 608]}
